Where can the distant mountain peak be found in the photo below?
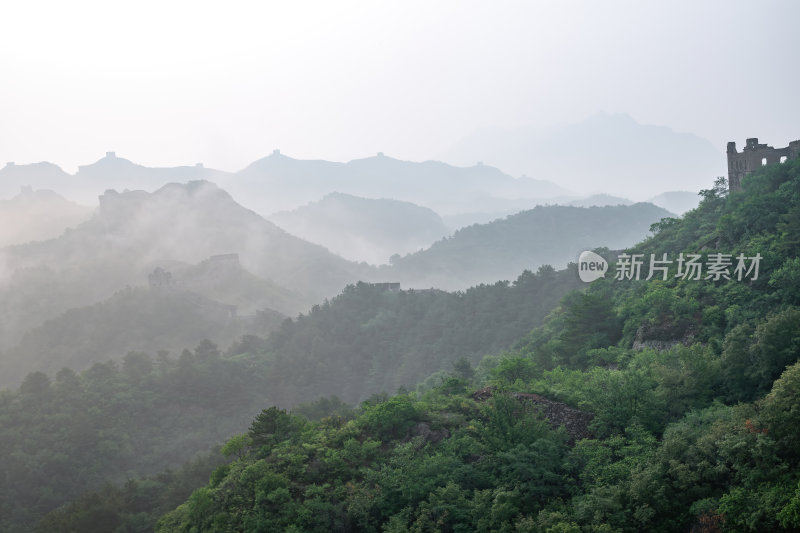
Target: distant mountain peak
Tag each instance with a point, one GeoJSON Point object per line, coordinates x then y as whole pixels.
{"type": "Point", "coordinates": [629, 158]}
{"type": "Point", "coordinates": [192, 187]}
{"type": "Point", "coordinates": [363, 229]}
{"type": "Point", "coordinates": [118, 204]}
{"type": "Point", "coordinates": [677, 201]}
{"type": "Point", "coordinates": [11, 166]}
{"type": "Point", "coordinates": [109, 160]}
{"type": "Point", "coordinates": [615, 116]}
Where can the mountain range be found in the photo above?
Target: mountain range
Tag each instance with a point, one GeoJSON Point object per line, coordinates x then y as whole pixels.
{"type": "Point", "coordinates": [660, 405]}
{"type": "Point", "coordinates": [134, 232]}
{"type": "Point", "coordinates": [678, 202]}
{"type": "Point", "coordinates": [445, 188]}
{"type": "Point", "coordinates": [499, 250]}
{"type": "Point", "coordinates": [34, 215]}
{"type": "Point", "coordinates": [278, 182]}
{"type": "Point", "coordinates": [606, 152]}
{"type": "Point", "coordinates": [220, 258]}
{"type": "Point", "coordinates": [362, 229]}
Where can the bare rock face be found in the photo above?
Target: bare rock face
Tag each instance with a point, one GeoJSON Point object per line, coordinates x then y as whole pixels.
{"type": "Point", "coordinates": [575, 421]}
{"type": "Point", "coordinates": [423, 429]}
{"type": "Point", "coordinates": [660, 346]}
{"type": "Point", "coordinates": [664, 336]}
{"type": "Point", "coordinates": [483, 394]}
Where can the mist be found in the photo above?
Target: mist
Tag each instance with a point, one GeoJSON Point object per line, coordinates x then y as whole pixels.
{"type": "Point", "coordinates": [316, 267]}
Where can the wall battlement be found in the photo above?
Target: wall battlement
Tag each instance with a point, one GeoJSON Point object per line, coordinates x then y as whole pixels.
{"type": "Point", "coordinates": [392, 286]}
{"type": "Point", "coordinates": [753, 156]}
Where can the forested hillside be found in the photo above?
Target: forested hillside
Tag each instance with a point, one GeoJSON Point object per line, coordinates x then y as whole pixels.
{"type": "Point", "coordinates": [69, 433]}
{"type": "Point", "coordinates": [142, 320]}
{"type": "Point", "coordinates": [545, 235]}
{"type": "Point", "coordinates": [370, 340]}
{"type": "Point", "coordinates": [134, 232]}
{"type": "Point", "coordinates": [693, 386]}
{"type": "Point", "coordinates": [62, 436]}
{"type": "Point", "coordinates": [363, 229]}
{"type": "Point", "coordinates": [389, 267]}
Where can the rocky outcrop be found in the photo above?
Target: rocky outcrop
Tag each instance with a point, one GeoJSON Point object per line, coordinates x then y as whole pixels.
{"type": "Point", "coordinates": [423, 429]}
{"type": "Point", "coordinates": [664, 336]}
{"type": "Point", "coordinates": [575, 421]}
{"type": "Point", "coordinates": [482, 394]}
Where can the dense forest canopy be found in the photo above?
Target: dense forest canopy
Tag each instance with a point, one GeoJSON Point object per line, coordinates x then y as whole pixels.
{"type": "Point", "coordinates": [696, 432]}
{"type": "Point", "coordinates": [81, 298]}
{"type": "Point", "coordinates": [547, 234]}
{"type": "Point", "coordinates": [65, 434]}
{"type": "Point", "coordinates": [370, 340]}
{"type": "Point", "coordinates": [539, 405]}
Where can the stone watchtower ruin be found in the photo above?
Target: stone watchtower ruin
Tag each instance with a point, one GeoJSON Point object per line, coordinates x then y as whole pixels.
{"type": "Point", "coordinates": [753, 156]}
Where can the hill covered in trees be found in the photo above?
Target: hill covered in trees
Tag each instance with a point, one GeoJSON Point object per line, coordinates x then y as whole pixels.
{"type": "Point", "coordinates": [370, 340]}
{"type": "Point", "coordinates": [545, 235]}
{"type": "Point", "coordinates": [38, 215]}
{"type": "Point", "coordinates": [693, 386]}
{"type": "Point", "coordinates": [689, 388]}
{"type": "Point", "coordinates": [66, 434]}
{"type": "Point", "coordinates": [364, 229]}
{"type": "Point", "coordinates": [74, 432]}
{"type": "Point", "coordinates": [133, 320]}
{"type": "Point", "coordinates": [134, 232]}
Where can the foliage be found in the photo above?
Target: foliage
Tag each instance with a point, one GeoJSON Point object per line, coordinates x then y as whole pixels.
{"type": "Point", "coordinates": [368, 340]}
{"type": "Point", "coordinates": [545, 235]}
{"type": "Point", "coordinates": [80, 432]}
{"type": "Point", "coordinates": [132, 507]}
{"type": "Point", "coordinates": [692, 386]}
{"type": "Point", "coordinates": [387, 469]}
{"type": "Point", "coordinates": [133, 319]}
{"type": "Point", "coordinates": [75, 433]}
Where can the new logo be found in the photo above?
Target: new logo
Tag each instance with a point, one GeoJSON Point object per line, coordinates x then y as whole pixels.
{"type": "Point", "coordinates": [591, 266]}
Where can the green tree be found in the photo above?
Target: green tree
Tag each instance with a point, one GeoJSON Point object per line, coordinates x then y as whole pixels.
{"type": "Point", "coordinates": [781, 411]}
{"type": "Point", "coordinates": [272, 426]}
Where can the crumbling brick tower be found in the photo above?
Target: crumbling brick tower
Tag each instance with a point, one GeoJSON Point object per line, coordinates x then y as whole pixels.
{"type": "Point", "coordinates": [753, 156]}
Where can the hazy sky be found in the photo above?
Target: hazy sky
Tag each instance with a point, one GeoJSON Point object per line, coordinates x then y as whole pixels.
{"type": "Point", "coordinates": [172, 83]}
